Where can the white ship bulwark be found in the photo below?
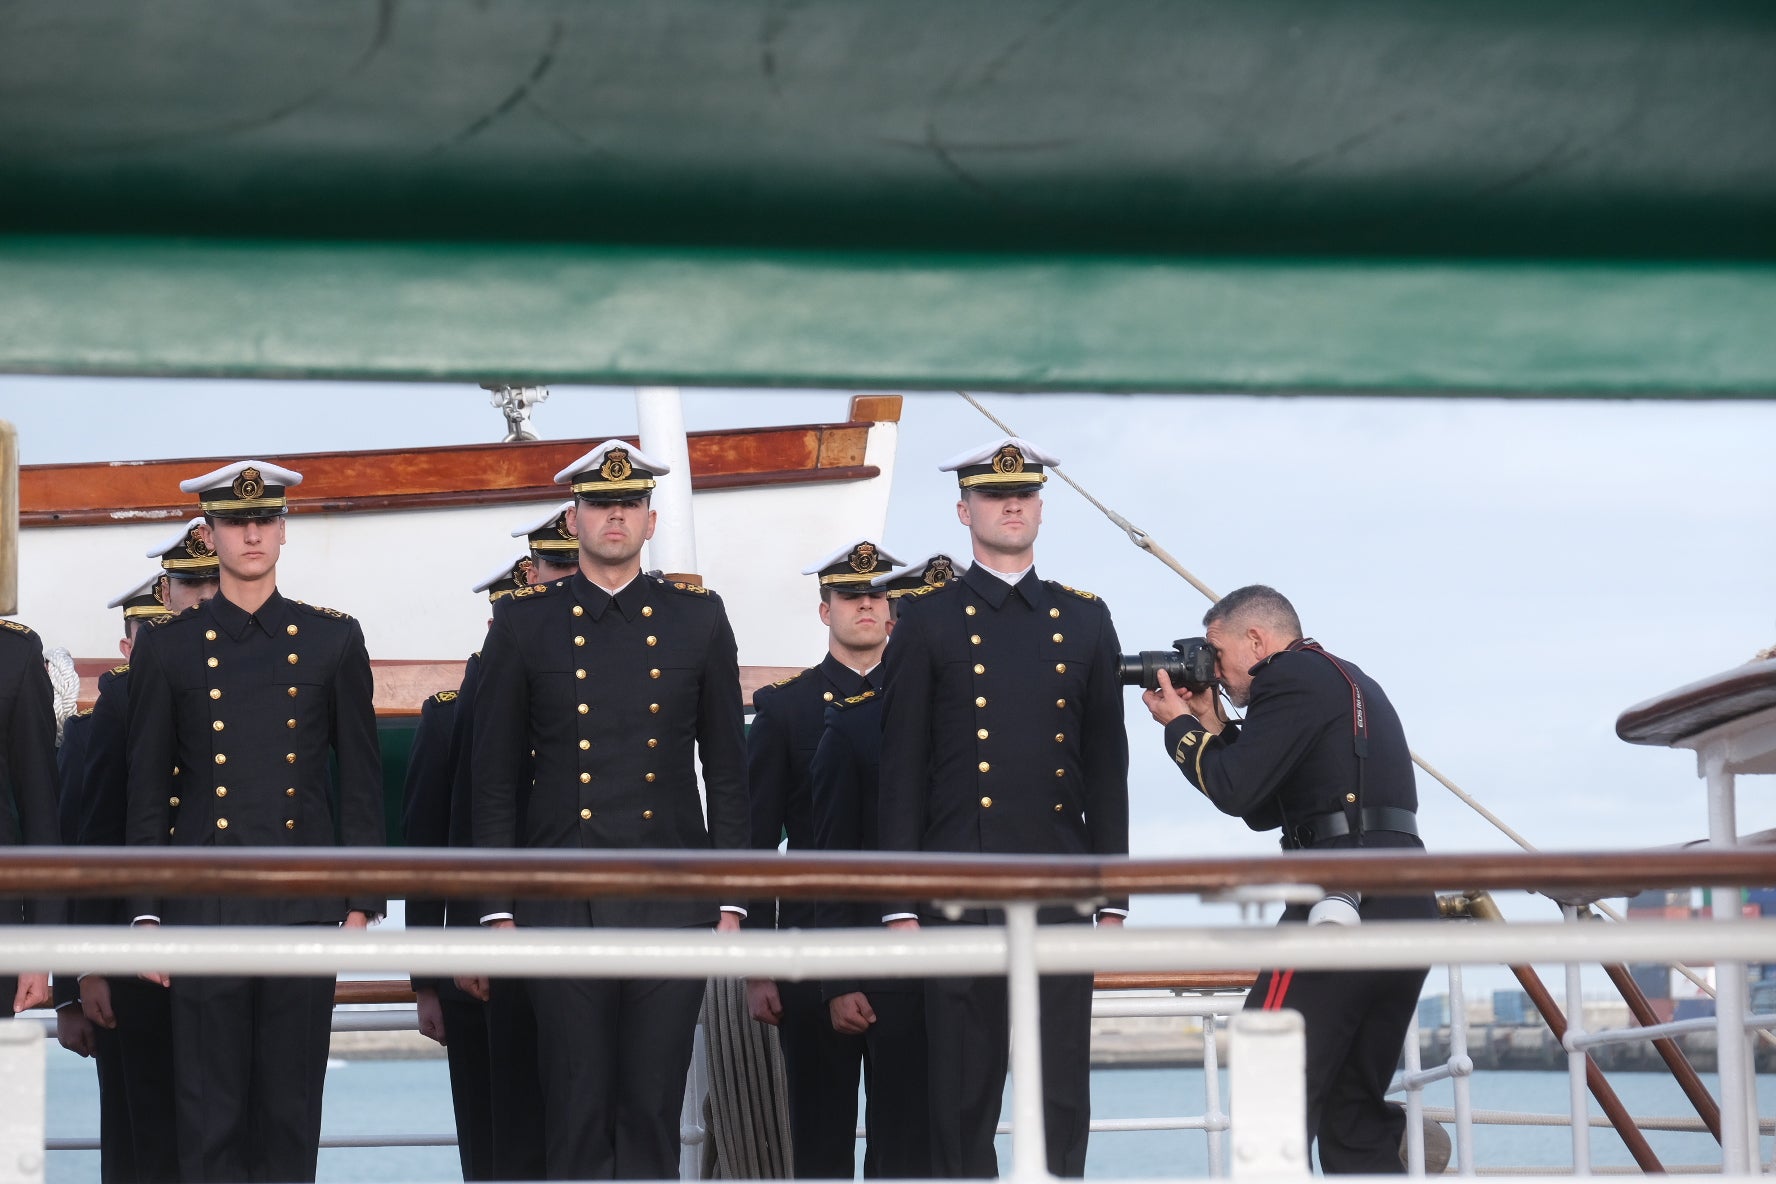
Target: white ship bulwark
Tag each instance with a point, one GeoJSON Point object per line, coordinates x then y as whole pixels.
{"type": "Point", "coordinates": [397, 538]}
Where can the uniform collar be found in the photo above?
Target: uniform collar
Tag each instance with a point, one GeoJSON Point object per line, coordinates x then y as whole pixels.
{"type": "Point", "coordinates": [235, 621]}
{"type": "Point", "coordinates": [996, 591]}
{"type": "Point", "coordinates": [629, 599]}
{"type": "Point", "coordinates": [844, 681]}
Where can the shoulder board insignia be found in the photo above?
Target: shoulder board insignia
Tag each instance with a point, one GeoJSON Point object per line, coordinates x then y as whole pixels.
{"type": "Point", "coordinates": [926, 589]}
{"type": "Point", "coordinates": [530, 590]}
{"type": "Point", "coordinates": [444, 696]}
{"type": "Point", "coordinates": [123, 669]}
{"type": "Point", "coordinates": [854, 700]}
{"type": "Point", "coordinates": [476, 654]}
{"type": "Point", "coordinates": [16, 627]}
{"type": "Point", "coordinates": [1083, 595]}
{"type": "Point", "coordinates": [693, 589]}
{"type": "Point", "coordinates": [783, 682]}
{"type": "Point", "coordinates": [317, 608]}
{"type": "Point", "coordinates": [85, 711]}
{"type": "Point", "coordinates": [162, 619]}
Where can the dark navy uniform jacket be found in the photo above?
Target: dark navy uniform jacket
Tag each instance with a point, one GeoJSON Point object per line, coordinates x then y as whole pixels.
{"type": "Point", "coordinates": [102, 783]}
{"type": "Point", "coordinates": [27, 762]}
{"type": "Point", "coordinates": [234, 719]}
{"type": "Point", "coordinates": [1003, 723]}
{"type": "Point", "coordinates": [425, 807]}
{"type": "Point", "coordinates": [617, 697]}
{"type": "Point", "coordinates": [785, 731]}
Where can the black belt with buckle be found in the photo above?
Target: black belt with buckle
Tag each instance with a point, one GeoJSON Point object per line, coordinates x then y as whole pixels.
{"type": "Point", "coordinates": [1319, 827]}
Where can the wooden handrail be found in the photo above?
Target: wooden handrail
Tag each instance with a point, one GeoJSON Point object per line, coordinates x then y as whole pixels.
{"type": "Point", "coordinates": [272, 872]}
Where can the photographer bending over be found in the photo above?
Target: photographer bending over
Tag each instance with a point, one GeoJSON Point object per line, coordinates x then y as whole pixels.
{"type": "Point", "coordinates": [1321, 754]}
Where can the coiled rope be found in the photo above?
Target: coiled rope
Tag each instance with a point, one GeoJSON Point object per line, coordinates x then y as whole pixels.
{"type": "Point", "coordinates": [746, 1112]}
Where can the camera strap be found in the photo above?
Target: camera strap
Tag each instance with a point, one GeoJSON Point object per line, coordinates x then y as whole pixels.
{"type": "Point", "coordinates": [1359, 716]}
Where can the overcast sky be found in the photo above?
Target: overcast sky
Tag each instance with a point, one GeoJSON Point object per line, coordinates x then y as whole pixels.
{"type": "Point", "coordinates": [1514, 573]}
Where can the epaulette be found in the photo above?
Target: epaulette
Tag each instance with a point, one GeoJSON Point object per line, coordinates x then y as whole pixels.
{"type": "Point", "coordinates": [854, 700]}
{"type": "Point", "coordinates": [323, 610]}
{"type": "Point", "coordinates": [123, 669]}
{"type": "Point", "coordinates": [85, 711]}
{"type": "Point", "coordinates": [161, 619]}
{"type": "Point", "coordinates": [783, 682]}
{"type": "Point", "coordinates": [682, 586]}
{"type": "Point", "coordinates": [444, 696]}
{"type": "Point", "coordinates": [1077, 592]}
{"type": "Point", "coordinates": [16, 627]}
{"type": "Point", "coordinates": [926, 589]}
{"type": "Point", "coordinates": [530, 590]}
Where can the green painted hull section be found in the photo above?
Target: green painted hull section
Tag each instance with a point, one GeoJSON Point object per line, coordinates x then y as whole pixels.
{"type": "Point", "coordinates": [576, 313]}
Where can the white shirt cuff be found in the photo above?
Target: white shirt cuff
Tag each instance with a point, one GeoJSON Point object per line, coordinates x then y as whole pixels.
{"type": "Point", "coordinates": [145, 917]}
{"type": "Point", "coordinates": [1114, 912]}
{"type": "Point", "coordinates": [900, 917]}
{"type": "Point", "coordinates": [490, 918]}
{"type": "Point", "coordinates": [735, 909]}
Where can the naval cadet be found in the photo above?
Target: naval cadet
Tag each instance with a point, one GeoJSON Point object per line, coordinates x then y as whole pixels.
{"type": "Point", "coordinates": [28, 780]}
{"type": "Point", "coordinates": [822, 1066]}
{"type": "Point", "coordinates": [1321, 753]}
{"type": "Point", "coordinates": [619, 683]}
{"type": "Point", "coordinates": [1003, 733]}
{"type": "Point", "coordinates": [237, 708]}
{"type": "Point", "coordinates": [887, 1014]}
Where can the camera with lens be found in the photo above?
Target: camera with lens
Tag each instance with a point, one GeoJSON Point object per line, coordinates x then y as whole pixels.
{"type": "Point", "coordinates": [1190, 664]}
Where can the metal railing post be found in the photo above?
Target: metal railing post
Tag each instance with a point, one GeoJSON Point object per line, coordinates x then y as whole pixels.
{"type": "Point", "coordinates": [1029, 1141]}
{"type": "Point", "coordinates": [1738, 1136]}
{"type": "Point", "coordinates": [1214, 1116]}
{"type": "Point", "coordinates": [1415, 1138]}
{"type": "Point", "coordinates": [21, 1101]}
{"type": "Point", "coordinates": [1577, 1070]}
{"type": "Point", "coordinates": [1461, 1072]}
{"type": "Point", "coordinates": [1268, 1051]}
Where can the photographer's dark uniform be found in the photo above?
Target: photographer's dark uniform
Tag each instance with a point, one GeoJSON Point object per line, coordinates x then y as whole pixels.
{"type": "Point", "coordinates": [1294, 762]}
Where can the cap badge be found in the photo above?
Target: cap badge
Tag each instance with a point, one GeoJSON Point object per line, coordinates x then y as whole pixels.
{"type": "Point", "coordinates": [561, 530]}
{"type": "Point", "coordinates": [863, 557]}
{"type": "Point", "coordinates": [616, 466]}
{"type": "Point", "coordinates": [249, 484]}
{"type": "Point", "coordinates": [939, 572]}
{"type": "Point", "coordinates": [196, 547]}
{"type": "Point", "coordinates": [1009, 459]}
{"type": "Point", "coordinates": [527, 569]}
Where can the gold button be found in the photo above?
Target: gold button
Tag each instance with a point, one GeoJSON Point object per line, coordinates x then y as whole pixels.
{"type": "Point", "coordinates": [828, 696]}
{"type": "Point", "coordinates": [1059, 808]}
{"type": "Point", "coordinates": [585, 778]}
{"type": "Point", "coordinates": [980, 700]}
{"type": "Point", "coordinates": [578, 611]}
{"type": "Point", "coordinates": [647, 610]}
{"type": "Point", "coordinates": [1058, 637]}
{"type": "Point", "coordinates": [221, 791]}
{"type": "Point", "coordinates": [221, 758]}
{"type": "Point", "coordinates": [1060, 702]}
{"type": "Point", "coordinates": [214, 663]}
{"type": "Point", "coordinates": [292, 659]}
{"type": "Point", "coordinates": [653, 743]}
{"type": "Point", "coordinates": [1060, 668]}
{"type": "Point", "coordinates": [289, 824]}
{"type": "Point", "coordinates": [172, 801]}
{"type": "Point", "coordinates": [584, 709]}
{"type": "Point", "coordinates": [655, 673]}
{"type": "Point", "coordinates": [647, 814]}
{"type": "Point", "coordinates": [653, 709]}
{"type": "Point", "coordinates": [1054, 612]}
{"type": "Point", "coordinates": [172, 830]}
{"type": "Point", "coordinates": [969, 610]}
{"type": "Point", "coordinates": [578, 640]}
{"type": "Point", "coordinates": [291, 792]}
{"type": "Point", "coordinates": [585, 813]}
{"type": "Point", "coordinates": [1350, 797]}
{"type": "Point", "coordinates": [215, 693]}
{"type": "Point", "coordinates": [216, 726]}
{"type": "Point", "coordinates": [1060, 737]}
{"type": "Point", "coordinates": [292, 692]}
{"type": "Point", "coordinates": [209, 635]}
{"type": "Point", "coordinates": [974, 639]}
{"type": "Point", "coordinates": [652, 640]}
{"type": "Point", "coordinates": [981, 735]}
{"type": "Point", "coordinates": [579, 674]}
{"type": "Point", "coordinates": [649, 778]}
{"type": "Point", "coordinates": [987, 803]}
{"type": "Point", "coordinates": [289, 723]}
{"type": "Point", "coordinates": [291, 630]}
{"type": "Point", "coordinates": [585, 744]}
{"type": "Point", "coordinates": [221, 824]}
{"type": "Point", "coordinates": [985, 767]}
{"type": "Point", "coordinates": [1060, 772]}
{"type": "Point", "coordinates": [979, 669]}
{"type": "Point", "coordinates": [175, 770]}
{"type": "Point", "coordinates": [289, 758]}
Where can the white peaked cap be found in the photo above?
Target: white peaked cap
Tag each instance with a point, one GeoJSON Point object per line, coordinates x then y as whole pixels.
{"type": "Point", "coordinates": [272, 475]}
{"type": "Point", "coordinates": [911, 571]}
{"type": "Point", "coordinates": [843, 555]}
{"type": "Point", "coordinates": [145, 588]}
{"type": "Point", "coordinates": [172, 540]}
{"type": "Point", "coordinates": [501, 572]}
{"type": "Point", "coordinates": [984, 454]}
{"type": "Point", "coordinates": [547, 518]}
{"type": "Point", "coordinates": [592, 460]}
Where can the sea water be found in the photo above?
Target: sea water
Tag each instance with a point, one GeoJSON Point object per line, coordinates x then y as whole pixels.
{"type": "Point", "coordinates": [413, 1097]}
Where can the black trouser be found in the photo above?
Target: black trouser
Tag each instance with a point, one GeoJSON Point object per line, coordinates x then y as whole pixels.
{"type": "Point", "coordinates": [613, 1055]}
{"type": "Point", "coordinates": [517, 1104]}
{"type": "Point", "coordinates": [249, 1066]}
{"type": "Point", "coordinates": [465, 1035]}
{"type": "Point", "coordinates": [117, 1148]}
{"type": "Point", "coordinates": [897, 1110]}
{"type": "Point", "coordinates": [823, 1069]}
{"type": "Point", "coordinates": [144, 1034]}
{"type": "Point", "coordinates": [1356, 1023]}
{"type": "Point", "coordinates": [967, 1024]}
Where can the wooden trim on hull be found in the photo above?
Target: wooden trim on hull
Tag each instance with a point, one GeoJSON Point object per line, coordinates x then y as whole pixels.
{"type": "Point", "coordinates": [456, 475]}
{"type": "Point", "coordinates": [1708, 703]}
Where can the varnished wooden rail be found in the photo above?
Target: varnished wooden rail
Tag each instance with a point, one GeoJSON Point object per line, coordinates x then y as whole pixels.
{"type": "Point", "coordinates": [737, 875]}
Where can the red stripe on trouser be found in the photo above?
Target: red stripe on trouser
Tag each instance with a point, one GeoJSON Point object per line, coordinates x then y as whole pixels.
{"type": "Point", "coordinates": [1279, 988]}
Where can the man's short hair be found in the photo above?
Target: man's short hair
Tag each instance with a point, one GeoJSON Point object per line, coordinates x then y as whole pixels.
{"type": "Point", "coordinates": [1259, 603]}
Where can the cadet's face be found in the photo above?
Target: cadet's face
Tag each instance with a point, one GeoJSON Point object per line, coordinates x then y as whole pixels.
{"type": "Point", "coordinates": [247, 548]}
{"type": "Point", "coordinates": [612, 532]}
{"type": "Point", "coordinates": [1236, 652]}
{"type": "Point", "coordinates": [857, 622]}
{"type": "Point", "coordinates": [1001, 523]}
